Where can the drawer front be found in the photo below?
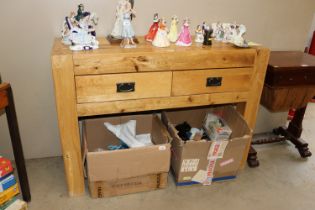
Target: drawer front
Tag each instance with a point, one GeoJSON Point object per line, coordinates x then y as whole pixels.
{"type": "Point", "coordinates": [169, 59]}
{"type": "Point", "coordinates": [112, 87]}
{"type": "Point", "coordinates": [211, 81]}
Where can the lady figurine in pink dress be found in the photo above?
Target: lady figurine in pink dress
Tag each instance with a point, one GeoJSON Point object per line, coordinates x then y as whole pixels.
{"type": "Point", "coordinates": [184, 38]}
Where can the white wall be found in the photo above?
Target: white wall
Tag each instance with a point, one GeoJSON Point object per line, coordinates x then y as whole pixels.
{"type": "Point", "coordinates": [311, 32]}
{"type": "Point", "coordinates": [29, 27]}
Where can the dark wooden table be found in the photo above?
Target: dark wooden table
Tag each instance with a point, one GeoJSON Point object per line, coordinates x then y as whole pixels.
{"type": "Point", "coordinates": [7, 103]}
{"type": "Point", "coordinates": [289, 83]}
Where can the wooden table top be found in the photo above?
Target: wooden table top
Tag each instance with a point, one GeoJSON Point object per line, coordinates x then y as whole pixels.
{"type": "Point", "coordinates": [291, 59]}
{"type": "Point", "coordinates": [143, 46]}
{"type": "Point", "coordinates": [290, 68]}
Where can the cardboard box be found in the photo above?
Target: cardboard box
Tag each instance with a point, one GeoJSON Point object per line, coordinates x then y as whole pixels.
{"type": "Point", "coordinates": [129, 185]}
{"type": "Point", "coordinates": [190, 162]}
{"type": "Point", "coordinates": [117, 166]}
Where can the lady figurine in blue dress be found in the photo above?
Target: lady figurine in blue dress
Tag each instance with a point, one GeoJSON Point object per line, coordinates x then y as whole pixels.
{"type": "Point", "coordinates": [127, 30]}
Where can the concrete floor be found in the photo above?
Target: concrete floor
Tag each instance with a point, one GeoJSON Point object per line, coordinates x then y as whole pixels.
{"type": "Point", "coordinates": [283, 181]}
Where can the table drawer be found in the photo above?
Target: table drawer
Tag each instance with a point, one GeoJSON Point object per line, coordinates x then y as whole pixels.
{"type": "Point", "coordinates": [210, 81]}
{"type": "Point", "coordinates": [112, 87]}
{"type": "Point", "coordinates": [168, 59]}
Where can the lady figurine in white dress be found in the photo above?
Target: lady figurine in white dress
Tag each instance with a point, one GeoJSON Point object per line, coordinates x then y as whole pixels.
{"type": "Point", "coordinates": [127, 30]}
{"type": "Point", "coordinates": [117, 30]}
{"type": "Point", "coordinates": [161, 39]}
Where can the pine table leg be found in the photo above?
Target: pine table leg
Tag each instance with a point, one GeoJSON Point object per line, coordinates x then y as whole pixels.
{"type": "Point", "coordinates": [62, 66]}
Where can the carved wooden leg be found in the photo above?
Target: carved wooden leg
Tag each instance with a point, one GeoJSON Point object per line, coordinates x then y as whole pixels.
{"type": "Point", "coordinates": [295, 126]}
{"type": "Point", "coordinates": [293, 133]}
{"type": "Point", "coordinates": [252, 158]}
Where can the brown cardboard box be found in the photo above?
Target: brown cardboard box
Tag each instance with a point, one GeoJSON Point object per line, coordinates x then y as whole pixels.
{"type": "Point", "coordinates": [127, 186]}
{"type": "Point", "coordinates": [190, 158]}
{"type": "Point", "coordinates": [115, 166]}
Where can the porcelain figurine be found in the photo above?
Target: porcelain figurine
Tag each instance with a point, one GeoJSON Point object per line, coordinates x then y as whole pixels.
{"type": "Point", "coordinates": [68, 25]}
{"type": "Point", "coordinates": [80, 11]}
{"type": "Point", "coordinates": [127, 29]}
{"type": "Point", "coordinates": [218, 31]}
{"type": "Point", "coordinates": [204, 25]}
{"type": "Point", "coordinates": [207, 35]}
{"type": "Point", "coordinates": [161, 39]}
{"type": "Point", "coordinates": [153, 29]}
{"type": "Point", "coordinates": [79, 30]}
{"type": "Point", "coordinates": [117, 30]}
{"type": "Point", "coordinates": [238, 39]}
{"type": "Point", "coordinates": [199, 34]}
{"type": "Point", "coordinates": [173, 34]}
{"type": "Point", "coordinates": [184, 38]}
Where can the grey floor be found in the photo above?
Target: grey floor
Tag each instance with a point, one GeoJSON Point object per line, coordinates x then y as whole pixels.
{"type": "Point", "coordinates": [283, 181]}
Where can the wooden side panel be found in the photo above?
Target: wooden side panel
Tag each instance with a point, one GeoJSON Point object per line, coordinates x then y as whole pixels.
{"type": "Point", "coordinates": [250, 109]}
{"type": "Point", "coordinates": [164, 60]}
{"type": "Point", "coordinates": [62, 67]}
{"type": "Point", "coordinates": [128, 186]}
{"type": "Point", "coordinates": [283, 98]}
{"type": "Point", "coordinates": [104, 87]}
{"type": "Point", "coordinates": [90, 109]}
{"type": "Point", "coordinates": [195, 82]}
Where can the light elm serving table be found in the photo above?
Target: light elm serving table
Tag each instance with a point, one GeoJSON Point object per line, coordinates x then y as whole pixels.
{"type": "Point", "coordinates": [114, 80]}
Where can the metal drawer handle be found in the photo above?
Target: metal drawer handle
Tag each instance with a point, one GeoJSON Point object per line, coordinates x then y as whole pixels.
{"type": "Point", "coordinates": [125, 87]}
{"type": "Point", "coordinates": [214, 81]}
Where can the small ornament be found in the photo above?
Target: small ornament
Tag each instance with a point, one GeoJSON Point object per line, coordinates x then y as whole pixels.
{"type": "Point", "coordinates": [230, 32]}
{"type": "Point", "coordinates": [153, 29]}
{"type": "Point", "coordinates": [199, 34]}
{"type": "Point", "coordinates": [184, 38]}
{"type": "Point", "coordinates": [173, 34]}
{"type": "Point", "coordinates": [207, 35]}
{"type": "Point", "coordinates": [127, 30]}
{"type": "Point", "coordinates": [238, 38]}
{"type": "Point", "coordinates": [79, 30]}
{"type": "Point", "coordinates": [117, 30]}
{"type": "Point", "coordinates": [161, 39]}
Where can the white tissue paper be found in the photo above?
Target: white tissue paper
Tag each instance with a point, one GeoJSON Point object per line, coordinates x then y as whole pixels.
{"type": "Point", "coordinates": [127, 133]}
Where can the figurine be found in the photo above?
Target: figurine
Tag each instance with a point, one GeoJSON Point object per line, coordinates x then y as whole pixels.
{"type": "Point", "coordinates": [67, 27]}
{"type": "Point", "coordinates": [218, 31]}
{"type": "Point", "coordinates": [173, 34]}
{"type": "Point", "coordinates": [161, 39]}
{"type": "Point", "coordinates": [117, 30]}
{"type": "Point", "coordinates": [153, 29]}
{"type": "Point", "coordinates": [184, 38]}
{"type": "Point", "coordinates": [80, 11]}
{"type": "Point", "coordinates": [127, 30]}
{"type": "Point", "coordinates": [203, 25]}
{"type": "Point", "coordinates": [199, 34]}
{"type": "Point", "coordinates": [238, 39]}
{"type": "Point", "coordinates": [79, 30]}
{"type": "Point", "coordinates": [207, 35]}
